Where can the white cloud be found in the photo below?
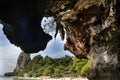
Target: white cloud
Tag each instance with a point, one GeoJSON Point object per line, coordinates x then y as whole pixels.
{"type": "Point", "coordinates": [39, 53]}
{"type": "Point", "coordinates": [8, 54]}
{"type": "Point", "coordinates": [48, 24]}
{"type": "Point", "coordinates": [55, 48]}
{"type": "Point", "coordinates": [8, 58]}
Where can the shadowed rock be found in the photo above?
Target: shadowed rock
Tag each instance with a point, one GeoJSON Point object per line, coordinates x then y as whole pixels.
{"type": "Point", "coordinates": [21, 20]}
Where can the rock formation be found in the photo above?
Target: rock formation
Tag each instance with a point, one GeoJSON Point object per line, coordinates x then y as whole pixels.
{"type": "Point", "coordinates": [21, 20]}
{"type": "Point", "coordinates": [92, 29]}
{"type": "Point", "coordinates": [22, 61]}
{"type": "Point", "coordinates": [93, 32]}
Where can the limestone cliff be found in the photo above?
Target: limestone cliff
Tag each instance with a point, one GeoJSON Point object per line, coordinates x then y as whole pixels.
{"type": "Point", "coordinates": [22, 61]}
{"type": "Point", "coordinates": [93, 32]}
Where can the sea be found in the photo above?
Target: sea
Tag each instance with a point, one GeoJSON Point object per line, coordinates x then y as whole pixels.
{"type": "Point", "coordinates": [6, 78]}
{"type": "Point", "coordinates": [11, 78]}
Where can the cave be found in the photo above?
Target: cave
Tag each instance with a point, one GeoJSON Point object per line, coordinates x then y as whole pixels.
{"type": "Point", "coordinates": [92, 30]}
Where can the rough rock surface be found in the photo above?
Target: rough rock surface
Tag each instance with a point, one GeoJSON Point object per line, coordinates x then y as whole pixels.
{"type": "Point", "coordinates": [22, 61]}
{"type": "Point", "coordinates": [93, 32]}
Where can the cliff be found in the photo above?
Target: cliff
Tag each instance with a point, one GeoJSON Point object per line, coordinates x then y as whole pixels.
{"type": "Point", "coordinates": [22, 61]}
{"type": "Point", "coordinates": [93, 32]}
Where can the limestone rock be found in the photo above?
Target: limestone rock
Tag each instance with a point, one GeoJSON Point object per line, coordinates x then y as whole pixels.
{"type": "Point", "coordinates": [93, 32]}
{"type": "Point", "coordinates": [22, 61]}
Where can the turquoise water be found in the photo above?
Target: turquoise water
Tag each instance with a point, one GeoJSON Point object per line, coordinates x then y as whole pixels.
{"type": "Point", "coordinates": [7, 78]}
{"type": "Point", "coordinates": [11, 78]}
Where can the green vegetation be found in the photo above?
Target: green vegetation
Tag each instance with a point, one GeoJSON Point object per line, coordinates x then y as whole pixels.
{"type": "Point", "coordinates": [57, 67]}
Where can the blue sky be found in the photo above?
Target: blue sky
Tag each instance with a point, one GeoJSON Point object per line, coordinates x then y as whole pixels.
{"type": "Point", "coordinates": [9, 53]}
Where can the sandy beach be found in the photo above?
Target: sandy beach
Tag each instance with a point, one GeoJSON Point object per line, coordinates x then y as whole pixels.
{"type": "Point", "coordinates": [48, 78]}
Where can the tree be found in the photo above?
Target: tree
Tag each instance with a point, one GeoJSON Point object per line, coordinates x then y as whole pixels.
{"type": "Point", "coordinates": [80, 66]}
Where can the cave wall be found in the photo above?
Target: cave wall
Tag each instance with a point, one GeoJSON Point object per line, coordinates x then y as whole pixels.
{"type": "Point", "coordinates": [93, 32]}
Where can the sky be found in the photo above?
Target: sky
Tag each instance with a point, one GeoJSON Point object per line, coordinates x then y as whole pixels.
{"type": "Point", "coordinates": [9, 53]}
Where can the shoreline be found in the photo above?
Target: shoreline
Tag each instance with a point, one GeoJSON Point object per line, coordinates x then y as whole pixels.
{"type": "Point", "coordinates": [49, 78]}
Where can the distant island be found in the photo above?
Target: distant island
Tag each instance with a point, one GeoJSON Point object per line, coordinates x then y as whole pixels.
{"type": "Point", "coordinates": [66, 66]}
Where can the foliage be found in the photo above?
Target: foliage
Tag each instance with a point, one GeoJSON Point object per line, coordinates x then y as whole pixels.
{"type": "Point", "coordinates": [57, 67]}
{"type": "Point", "coordinates": [11, 74]}
{"type": "Point", "coordinates": [80, 66]}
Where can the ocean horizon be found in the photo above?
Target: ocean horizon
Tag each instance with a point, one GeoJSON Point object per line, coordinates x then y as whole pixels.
{"type": "Point", "coordinates": [12, 78]}
{"type": "Point", "coordinates": [6, 78]}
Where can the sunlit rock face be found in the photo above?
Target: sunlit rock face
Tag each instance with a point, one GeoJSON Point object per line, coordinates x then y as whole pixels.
{"type": "Point", "coordinates": [22, 61]}
{"type": "Point", "coordinates": [21, 20]}
{"type": "Point", "coordinates": [93, 32]}
{"type": "Point", "coordinates": [78, 24]}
